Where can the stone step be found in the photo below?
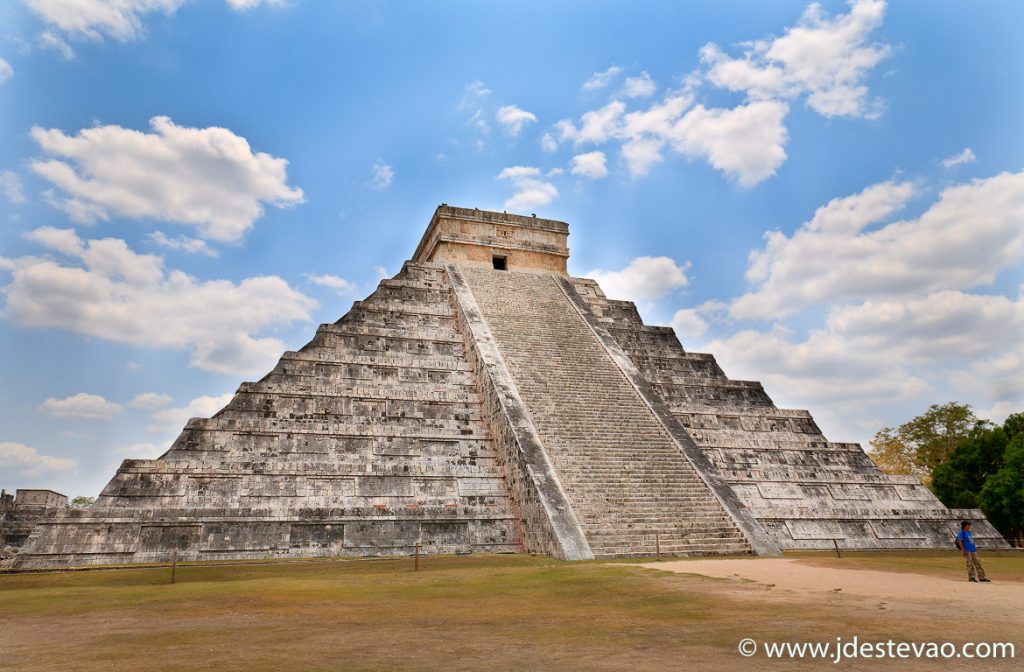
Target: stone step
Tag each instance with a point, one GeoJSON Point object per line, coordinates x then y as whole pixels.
{"type": "Point", "coordinates": [617, 463]}
{"type": "Point", "coordinates": [681, 551]}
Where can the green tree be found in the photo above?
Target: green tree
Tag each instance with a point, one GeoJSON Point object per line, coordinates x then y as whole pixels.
{"type": "Point", "coordinates": [934, 434]}
{"type": "Point", "coordinates": [1013, 425]}
{"type": "Point", "coordinates": [1002, 497]}
{"type": "Point", "coordinates": [921, 444]}
{"type": "Point", "coordinates": [891, 454]}
{"type": "Point", "coordinates": [959, 479]}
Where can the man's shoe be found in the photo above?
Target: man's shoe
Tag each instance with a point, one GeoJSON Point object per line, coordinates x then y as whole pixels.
{"type": "Point", "coordinates": [973, 580]}
{"type": "Point", "coordinates": [986, 581]}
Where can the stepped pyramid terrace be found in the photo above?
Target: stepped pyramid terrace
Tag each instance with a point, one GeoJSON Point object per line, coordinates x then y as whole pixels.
{"type": "Point", "coordinates": [483, 400]}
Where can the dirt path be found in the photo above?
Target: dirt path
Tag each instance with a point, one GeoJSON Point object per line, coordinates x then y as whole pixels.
{"type": "Point", "coordinates": [804, 580]}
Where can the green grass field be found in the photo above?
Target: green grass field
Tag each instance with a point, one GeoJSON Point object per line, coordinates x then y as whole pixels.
{"type": "Point", "coordinates": [475, 612]}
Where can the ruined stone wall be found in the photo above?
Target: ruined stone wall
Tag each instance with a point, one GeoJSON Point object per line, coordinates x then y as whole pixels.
{"type": "Point", "coordinates": [20, 513]}
{"type": "Point", "coordinates": [43, 498]}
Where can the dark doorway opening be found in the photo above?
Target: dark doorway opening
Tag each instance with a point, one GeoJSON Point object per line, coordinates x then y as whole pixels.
{"type": "Point", "coordinates": [499, 263]}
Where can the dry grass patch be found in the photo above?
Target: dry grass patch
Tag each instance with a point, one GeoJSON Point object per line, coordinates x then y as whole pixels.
{"type": "Point", "coordinates": [1003, 566]}
{"type": "Point", "coordinates": [458, 613]}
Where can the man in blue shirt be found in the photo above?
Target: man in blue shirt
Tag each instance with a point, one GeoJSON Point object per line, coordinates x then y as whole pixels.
{"type": "Point", "coordinates": [965, 542]}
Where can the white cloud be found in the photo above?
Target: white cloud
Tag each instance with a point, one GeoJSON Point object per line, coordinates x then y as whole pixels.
{"type": "Point", "coordinates": [963, 240]}
{"type": "Point", "coordinates": [998, 377]}
{"type": "Point", "coordinates": [237, 353]}
{"type": "Point", "coordinates": [591, 164]}
{"type": "Point", "coordinates": [998, 412]}
{"type": "Point", "coordinates": [245, 5]}
{"type": "Point", "coordinates": [882, 351]}
{"type": "Point", "coordinates": [688, 323]}
{"type": "Point", "coordinates": [109, 257]}
{"type": "Point", "coordinates": [52, 42]}
{"type": "Point", "coordinates": [150, 400]}
{"type": "Point", "coordinates": [82, 405]}
{"type": "Point", "coordinates": [597, 126]}
{"type": "Point", "coordinates": [692, 323]}
{"type": "Point", "coordinates": [658, 120]}
{"type": "Point", "coordinates": [822, 370]}
{"type": "Point", "coordinates": [900, 329]}
{"type": "Point", "coordinates": [183, 243]}
{"type": "Point", "coordinates": [600, 80]}
{"type": "Point", "coordinates": [531, 191]}
{"type": "Point", "coordinates": [474, 101]}
{"type": "Point", "coordinates": [644, 279]}
{"type": "Point", "coordinates": [641, 86]}
{"type": "Point", "coordinates": [174, 419]}
{"type": "Point", "coordinates": [65, 241]}
{"type": "Point", "coordinates": [473, 94]}
{"type": "Point", "coordinates": [141, 451]}
{"type": "Point", "coordinates": [641, 154]}
{"type": "Point", "coordinates": [531, 194]}
{"type": "Point", "coordinates": [479, 122]}
{"type": "Point", "coordinates": [118, 19]}
{"type": "Point", "coordinates": [340, 285]}
{"type": "Point", "coordinates": [518, 172]}
{"type": "Point", "coordinates": [548, 143]}
{"type": "Point", "coordinates": [206, 178]}
{"type": "Point", "coordinates": [6, 71]}
{"type": "Point", "coordinates": [10, 185]}
{"type": "Point", "coordinates": [646, 131]}
{"type": "Point", "coordinates": [108, 291]}
{"type": "Point", "coordinates": [826, 59]}
{"type": "Point", "coordinates": [746, 142]}
{"type": "Point", "coordinates": [513, 118]}
{"type": "Point", "coordinates": [26, 461]}
{"type": "Point", "coordinates": [966, 156]}
{"type": "Point", "coordinates": [383, 174]}
{"type": "Point", "coordinates": [946, 325]}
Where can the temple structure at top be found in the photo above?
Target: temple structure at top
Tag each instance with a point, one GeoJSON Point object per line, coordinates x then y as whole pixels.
{"type": "Point", "coordinates": [495, 240]}
{"type": "Point", "coordinates": [483, 400]}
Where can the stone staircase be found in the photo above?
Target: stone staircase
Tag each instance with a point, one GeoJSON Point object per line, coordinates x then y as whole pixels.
{"type": "Point", "coordinates": [806, 491]}
{"type": "Point", "coordinates": [626, 479]}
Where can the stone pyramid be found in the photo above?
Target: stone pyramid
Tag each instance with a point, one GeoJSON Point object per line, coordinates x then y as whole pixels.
{"type": "Point", "coordinates": [484, 401]}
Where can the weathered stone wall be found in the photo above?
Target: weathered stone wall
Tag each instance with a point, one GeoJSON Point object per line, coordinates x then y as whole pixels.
{"type": "Point", "coordinates": [808, 492]}
{"type": "Point", "coordinates": [515, 259]}
{"type": "Point", "coordinates": [366, 441]}
{"type": "Point", "coordinates": [475, 236]}
{"type": "Point", "coordinates": [20, 513]}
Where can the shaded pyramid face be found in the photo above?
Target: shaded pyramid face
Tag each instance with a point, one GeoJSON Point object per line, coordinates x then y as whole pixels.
{"type": "Point", "coordinates": [484, 401]}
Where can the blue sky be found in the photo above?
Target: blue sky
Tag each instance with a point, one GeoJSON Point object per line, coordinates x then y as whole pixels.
{"type": "Point", "coordinates": [827, 197]}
